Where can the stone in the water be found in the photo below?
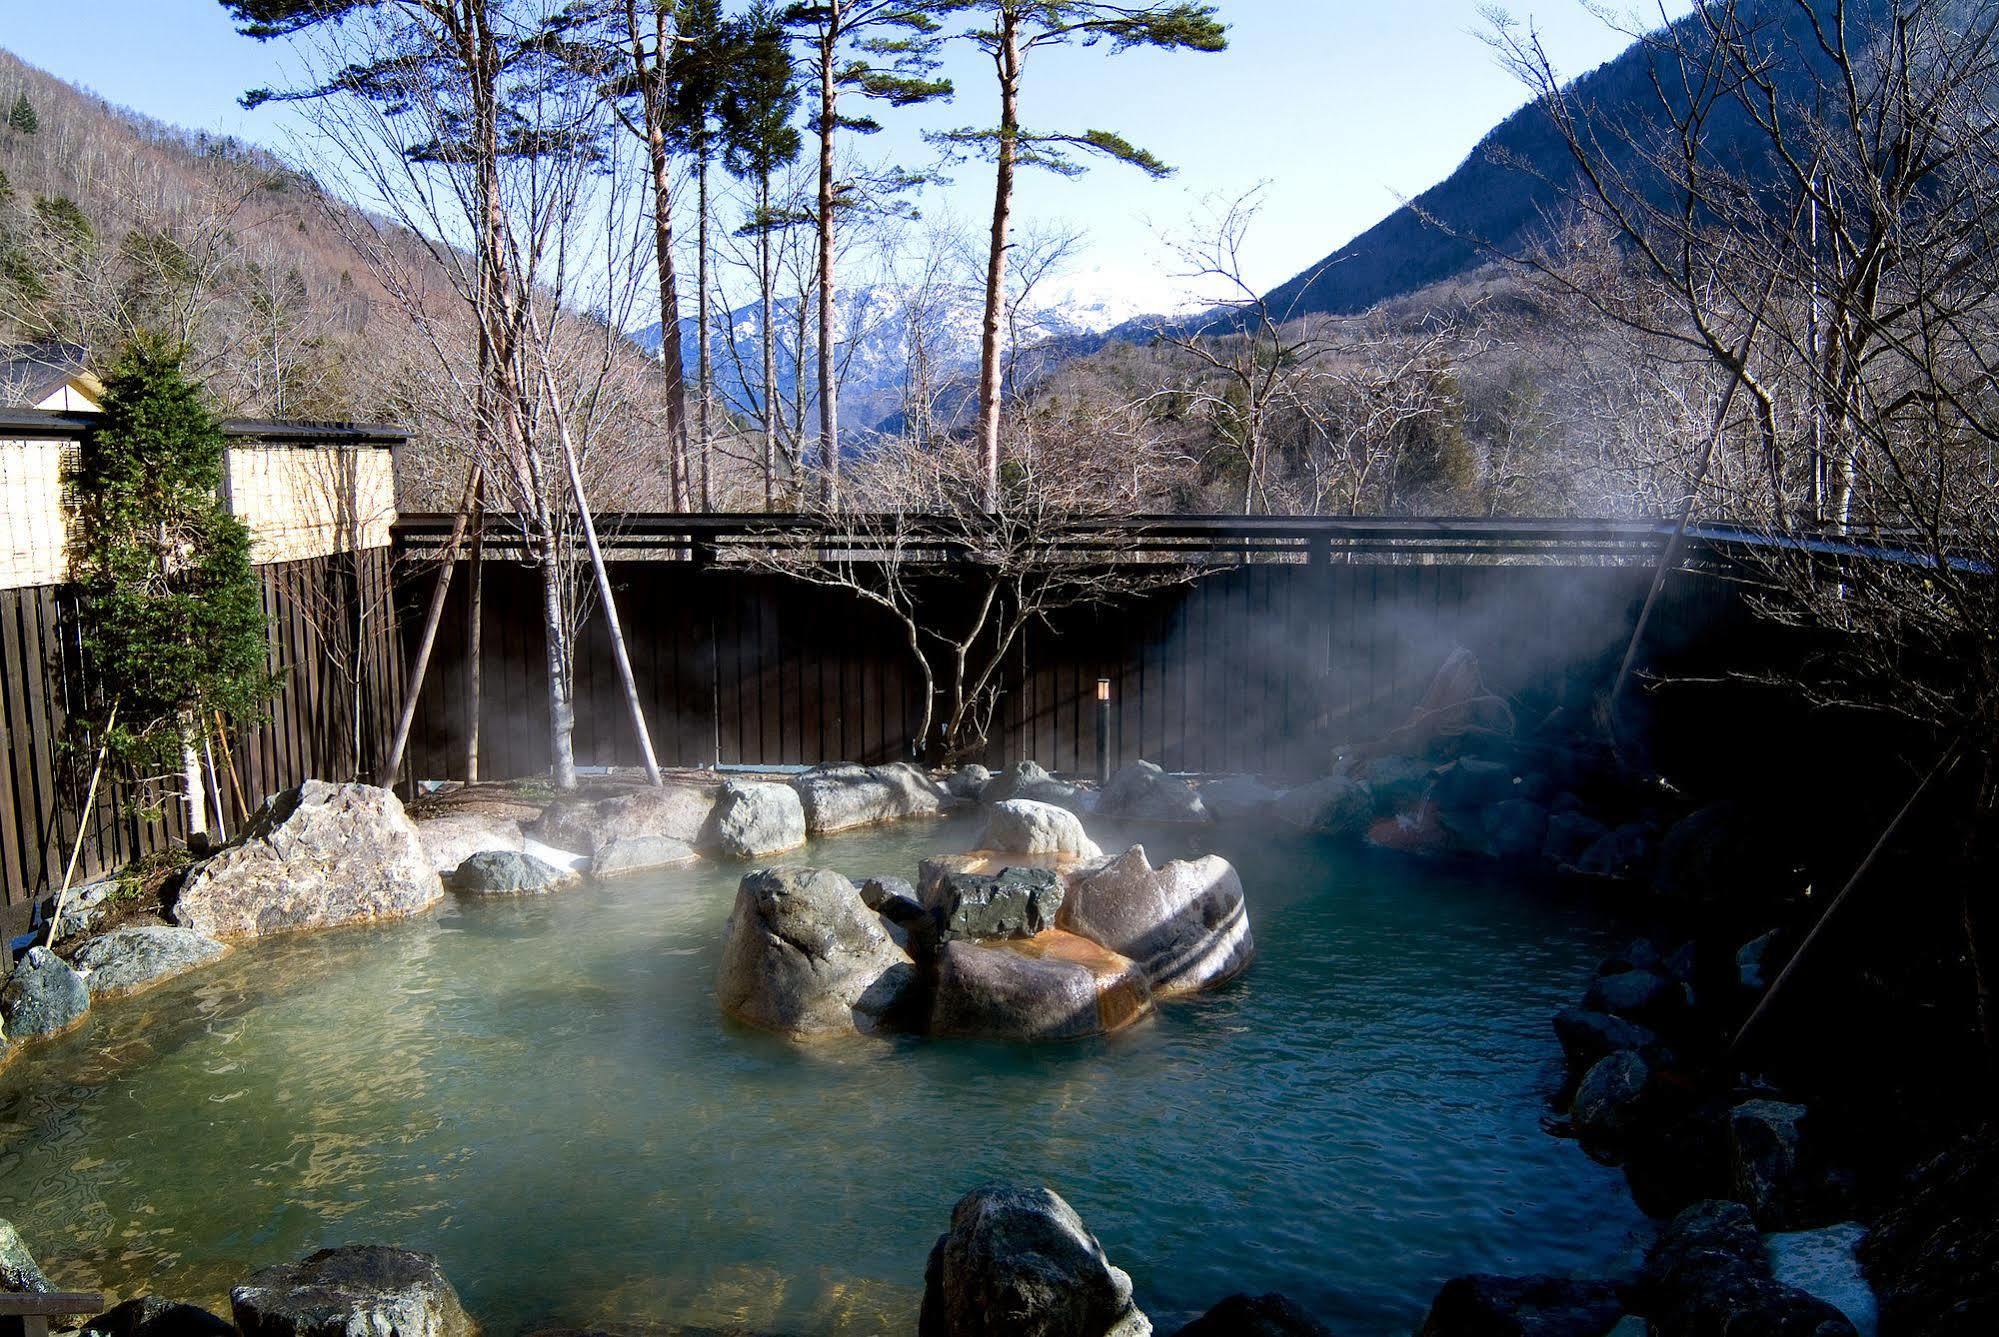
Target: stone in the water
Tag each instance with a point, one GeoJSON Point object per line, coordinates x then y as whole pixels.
{"type": "Point", "coordinates": [1013, 903]}
{"type": "Point", "coordinates": [1614, 1098]}
{"type": "Point", "coordinates": [1024, 826]}
{"type": "Point", "coordinates": [1638, 995]}
{"type": "Point", "coordinates": [1010, 782]}
{"type": "Point", "coordinates": [18, 1271]}
{"type": "Point", "coordinates": [804, 956]}
{"type": "Point", "coordinates": [505, 873]}
{"type": "Point", "coordinates": [672, 811]}
{"type": "Point", "coordinates": [1184, 922]}
{"type": "Point", "coordinates": [967, 781]}
{"type": "Point", "coordinates": [1516, 829]}
{"type": "Point", "coordinates": [1256, 1316]}
{"type": "Point", "coordinates": [1823, 1263]}
{"type": "Point", "coordinates": [450, 838]}
{"type": "Point", "coordinates": [1018, 1262]}
{"type": "Point", "coordinates": [628, 855]}
{"type": "Point", "coordinates": [1482, 1305]}
{"type": "Point", "coordinates": [1588, 1036]}
{"type": "Point", "coordinates": [127, 960]}
{"type": "Point", "coordinates": [753, 819]}
{"type": "Point", "coordinates": [1777, 1167]}
{"type": "Point", "coordinates": [1396, 783]}
{"type": "Point", "coordinates": [44, 996]}
{"type": "Point", "coordinates": [843, 797]}
{"type": "Point", "coordinates": [1055, 986]}
{"type": "Point", "coordinates": [1335, 806]}
{"type": "Point", "coordinates": [1240, 798]}
{"type": "Point", "coordinates": [1146, 793]}
{"type": "Point", "coordinates": [362, 1290]}
{"type": "Point", "coordinates": [1708, 1276]}
{"type": "Point", "coordinates": [151, 1316]}
{"type": "Point", "coordinates": [314, 857]}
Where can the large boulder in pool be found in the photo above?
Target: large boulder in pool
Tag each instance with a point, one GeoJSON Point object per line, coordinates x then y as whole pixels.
{"type": "Point", "coordinates": [1053, 986]}
{"type": "Point", "coordinates": [1025, 826]}
{"type": "Point", "coordinates": [628, 856]}
{"type": "Point", "coordinates": [1240, 798]}
{"type": "Point", "coordinates": [1018, 1262]}
{"type": "Point", "coordinates": [506, 873]}
{"type": "Point", "coordinates": [1256, 1316]}
{"type": "Point", "coordinates": [843, 797]}
{"type": "Point", "coordinates": [1184, 922]}
{"type": "Point", "coordinates": [361, 1290]}
{"type": "Point", "coordinates": [753, 819]}
{"type": "Point", "coordinates": [19, 1273]}
{"type": "Point", "coordinates": [151, 1316]}
{"type": "Point", "coordinates": [1012, 903]}
{"type": "Point", "coordinates": [1144, 792]}
{"type": "Point", "coordinates": [1482, 1305]}
{"type": "Point", "coordinates": [1026, 780]}
{"type": "Point", "coordinates": [128, 960]}
{"type": "Point", "coordinates": [1335, 806]}
{"type": "Point", "coordinates": [314, 857]}
{"type": "Point", "coordinates": [43, 997]}
{"type": "Point", "coordinates": [804, 956]}
{"type": "Point", "coordinates": [451, 838]}
{"type": "Point", "coordinates": [670, 811]}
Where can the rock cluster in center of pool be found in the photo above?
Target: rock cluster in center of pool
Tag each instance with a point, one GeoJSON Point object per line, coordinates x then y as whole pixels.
{"type": "Point", "coordinates": [1038, 936]}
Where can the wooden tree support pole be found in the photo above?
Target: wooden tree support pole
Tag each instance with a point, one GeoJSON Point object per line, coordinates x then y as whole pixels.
{"type": "Point", "coordinates": [475, 599]}
{"type": "Point", "coordinates": [82, 826]}
{"type": "Point", "coordinates": [1944, 764]}
{"type": "Point", "coordinates": [394, 762]}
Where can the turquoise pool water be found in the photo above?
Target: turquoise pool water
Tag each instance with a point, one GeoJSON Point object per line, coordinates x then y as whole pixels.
{"type": "Point", "coordinates": [542, 1093]}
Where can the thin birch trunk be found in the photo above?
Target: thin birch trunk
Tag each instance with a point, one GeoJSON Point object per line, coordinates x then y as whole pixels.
{"type": "Point", "coordinates": [829, 403]}
{"type": "Point", "coordinates": [1008, 61]}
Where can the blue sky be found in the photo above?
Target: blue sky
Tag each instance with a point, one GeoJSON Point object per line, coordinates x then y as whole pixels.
{"type": "Point", "coordinates": [1340, 105]}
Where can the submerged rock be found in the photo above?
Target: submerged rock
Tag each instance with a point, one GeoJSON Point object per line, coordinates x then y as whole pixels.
{"type": "Point", "coordinates": [1054, 986]}
{"type": "Point", "coordinates": [19, 1273]}
{"type": "Point", "coordinates": [504, 873]}
{"type": "Point", "coordinates": [1025, 826]}
{"type": "Point", "coordinates": [1256, 1316]}
{"type": "Point", "coordinates": [362, 1290]}
{"type": "Point", "coordinates": [1334, 806]}
{"type": "Point", "coordinates": [1184, 922]}
{"type": "Point", "coordinates": [1146, 793]}
{"type": "Point", "coordinates": [314, 857]}
{"type": "Point", "coordinates": [1482, 1305]}
{"type": "Point", "coordinates": [753, 819]}
{"type": "Point", "coordinates": [1018, 1262]}
{"type": "Point", "coordinates": [128, 960]}
{"type": "Point", "coordinates": [843, 797]}
{"type": "Point", "coordinates": [43, 996]}
{"type": "Point", "coordinates": [628, 855]}
{"type": "Point", "coordinates": [450, 838]}
{"type": "Point", "coordinates": [150, 1316]}
{"type": "Point", "coordinates": [1014, 903]}
{"type": "Point", "coordinates": [804, 956]}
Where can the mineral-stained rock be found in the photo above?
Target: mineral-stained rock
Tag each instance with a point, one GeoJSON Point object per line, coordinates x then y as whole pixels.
{"type": "Point", "coordinates": [44, 996]}
{"type": "Point", "coordinates": [1146, 793]}
{"type": "Point", "coordinates": [150, 1316]}
{"type": "Point", "coordinates": [1184, 922]}
{"type": "Point", "coordinates": [1240, 798]}
{"type": "Point", "coordinates": [1335, 806]}
{"type": "Point", "coordinates": [506, 873]}
{"type": "Point", "coordinates": [1708, 1276]}
{"type": "Point", "coordinates": [1256, 1316]}
{"type": "Point", "coordinates": [362, 1290]}
{"type": "Point", "coordinates": [18, 1272]}
{"type": "Point", "coordinates": [1054, 986]}
{"type": "Point", "coordinates": [628, 855]}
{"type": "Point", "coordinates": [1933, 1254]}
{"type": "Point", "coordinates": [450, 838]}
{"type": "Point", "coordinates": [314, 856]}
{"type": "Point", "coordinates": [1481, 1305]}
{"type": "Point", "coordinates": [843, 797]}
{"type": "Point", "coordinates": [990, 863]}
{"type": "Point", "coordinates": [1013, 903]}
{"type": "Point", "coordinates": [804, 956]}
{"type": "Point", "coordinates": [1024, 826]}
{"type": "Point", "coordinates": [753, 819]}
{"type": "Point", "coordinates": [1018, 1262]}
{"type": "Point", "coordinates": [127, 960]}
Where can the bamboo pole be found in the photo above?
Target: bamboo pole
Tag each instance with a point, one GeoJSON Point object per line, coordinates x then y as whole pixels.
{"type": "Point", "coordinates": [82, 826]}
{"type": "Point", "coordinates": [394, 763]}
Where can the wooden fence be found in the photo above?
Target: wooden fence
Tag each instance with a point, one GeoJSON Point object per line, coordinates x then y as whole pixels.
{"type": "Point", "coordinates": [1263, 665]}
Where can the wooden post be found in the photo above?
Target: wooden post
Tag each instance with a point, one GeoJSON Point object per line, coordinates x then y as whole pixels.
{"type": "Point", "coordinates": [394, 763]}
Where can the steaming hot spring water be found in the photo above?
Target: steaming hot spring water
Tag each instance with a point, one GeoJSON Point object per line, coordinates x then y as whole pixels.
{"type": "Point", "coordinates": [542, 1092]}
